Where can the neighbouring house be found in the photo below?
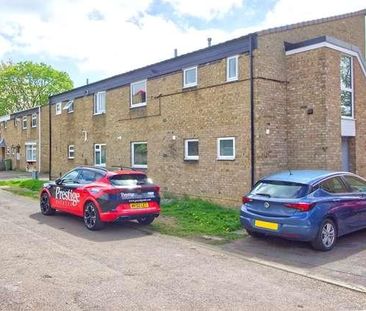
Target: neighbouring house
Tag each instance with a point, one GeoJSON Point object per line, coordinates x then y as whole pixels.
{"type": "Point", "coordinates": [211, 122]}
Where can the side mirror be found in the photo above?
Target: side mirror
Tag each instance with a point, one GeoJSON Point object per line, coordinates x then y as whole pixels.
{"type": "Point", "coordinates": [59, 181]}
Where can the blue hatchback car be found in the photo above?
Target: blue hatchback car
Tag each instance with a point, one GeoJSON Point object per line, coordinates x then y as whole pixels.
{"type": "Point", "coordinates": [306, 205]}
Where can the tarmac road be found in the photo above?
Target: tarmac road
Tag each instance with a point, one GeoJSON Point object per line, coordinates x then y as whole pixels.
{"type": "Point", "coordinates": [55, 263]}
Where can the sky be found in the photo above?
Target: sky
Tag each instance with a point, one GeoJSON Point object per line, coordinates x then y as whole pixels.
{"type": "Point", "coordinates": [93, 39]}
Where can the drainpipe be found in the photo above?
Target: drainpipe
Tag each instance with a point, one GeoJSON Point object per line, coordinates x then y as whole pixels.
{"type": "Point", "coordinates": [39, 140]}
{"type": "Point", "coordinates": [252, 137]}
{"type": "Point", "coordinates": [49, 140]}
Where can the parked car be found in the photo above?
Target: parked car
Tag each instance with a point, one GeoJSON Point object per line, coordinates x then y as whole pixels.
{"type": "Point", "coordinates": [100, 196]}
{"type": "Point", "coordinates": [306, 205]}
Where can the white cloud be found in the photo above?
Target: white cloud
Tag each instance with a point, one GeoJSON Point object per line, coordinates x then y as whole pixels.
{"type": "Point", "coordinates": [205, 9]}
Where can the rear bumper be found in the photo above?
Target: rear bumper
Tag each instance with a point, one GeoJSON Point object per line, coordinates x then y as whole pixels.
{"type": "Point", "coordinates": [124, 213]}
{"type": "Point", "coordinates": [297, 227]}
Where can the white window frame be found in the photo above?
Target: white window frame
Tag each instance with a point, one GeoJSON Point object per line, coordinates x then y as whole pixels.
{"type": "Point", "coordinates": [133, 154]}
{"type": "Point", "coordinates": [236, 77]}
{"type": "Point", "coordinates": [186, 155]}
{"type": "Point", "coordinates": [34, 120]}
{"type": "Point", "coordinates": [131, 94]}
{"type": "Point", "coordinates": [95, 154]}
{"type": "Point", "coordinates": [71, 152]}
{"type": "Point", "coordinates": [185, 84]}
{"type": "Point", "coordinates": [24, 122]}
{"type": "Point", "coordinates": [99, 102]}
{"type": "Point", "coordinates": [222, 157]}
{"type": "Point", "coordinates": [58, 108]}
{"type": "Point", "coordinates": [349, 90]}
{"type": "Point", "coordinates": [69, 106]}
{"type": "Point", "coordinates": [33, 148]}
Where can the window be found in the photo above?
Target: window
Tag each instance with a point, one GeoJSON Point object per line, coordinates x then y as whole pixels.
{"type": "Point", "coordinates": [100, 154]}
{"type": "Point", "coordinates": [130, 180]}
{"type": "Point", "coordinates": [356, 184]}
{"type": "Point", "coordinates": [138, 94]}
{"type": "Point", "coordinates": [69, 107]}
{"type": "Point", "coordinates": [333, 185]}
{"type": "Point", "coordinates": [226, 148]}
{"type": "Point", "coordinates": [190, 77]}
{"type": "Point", "coordinates": [34, 120]}
{"type": "Point", "coordinates": [31, 152]}
{"type": "Point", "coordinates": [139, 154]}
{"type": "Point", "coordinates": [89, 176]}
{"type": "Point", "coordinates": [280, 189]}
{"type": "Point", "coordinates": [25, 122]}
{"type": "Point", "coordinates": [232, 68]}
{"type": "Point", "coordinates": [99, 103]}
{"type": "Point", "coordinates": [346, 73]}
{"type": "Point", "coordinates": [71, 152]}
{"type": "Point", "coordinates": [191, 151]}
{"type": "Point", "coordinates": [70, 177]}
{"type": "Point", "coordinates": [58, 108]}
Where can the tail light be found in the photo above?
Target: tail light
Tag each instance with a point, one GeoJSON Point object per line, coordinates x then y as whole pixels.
{"type": "Point", "coordinates": [302, 206]}
{"type": "Point", "coordinates": [245, 199]}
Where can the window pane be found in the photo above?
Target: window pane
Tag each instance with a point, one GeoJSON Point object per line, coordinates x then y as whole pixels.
{"type": "Point", "coordinates": [333, 185]}
{"type": "Point", "coordinates": [280, 189]}
{"type": "Point", "coordinates": [346, 103]}
{"type": "Point", "coordinates": [346, 75]}
{"type": "Point", "coordinates": [190, 76]}
{"type": "Point", "coordinates": [356, 184]}
{"type": "Point", "coordinates": [140, 154]}
{"type": "Point", "coordinates": [232, 67]}
{"type": "Point", "coordinates": [138, 91]}
{"type": "Point", "coordinates": [192, 148]}
{"type": "Point", "coordinates": [103, 156]}
{"type": "Point", "coordinates": [226, 147]}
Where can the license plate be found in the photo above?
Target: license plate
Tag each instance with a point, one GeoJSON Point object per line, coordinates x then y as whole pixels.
{"type": "Point", "coordinates": [139, 205]}
{"type": "Point", "coordinates": [266, 225]}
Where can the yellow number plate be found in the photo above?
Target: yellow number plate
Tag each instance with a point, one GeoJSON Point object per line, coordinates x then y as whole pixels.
{"type": "Point", "coordinates": [266, 225]}
{"type": "Point", "coordinates": [139, 205]}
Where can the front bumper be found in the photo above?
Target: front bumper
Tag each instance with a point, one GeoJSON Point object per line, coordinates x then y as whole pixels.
{"type": "Point", "coordinates": [297, 227]}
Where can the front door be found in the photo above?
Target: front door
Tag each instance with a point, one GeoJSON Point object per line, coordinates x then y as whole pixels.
{"type": "Point", "coordinates": [345, 154]}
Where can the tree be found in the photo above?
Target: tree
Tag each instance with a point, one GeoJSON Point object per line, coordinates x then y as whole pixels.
{"type": "Point", "coordinates": [26, 85]}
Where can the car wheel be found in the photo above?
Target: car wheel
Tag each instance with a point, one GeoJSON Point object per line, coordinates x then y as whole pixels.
{"type": "Point", "coordinates": [255, 234]}
{"type": "Point", "coordinates": [91, 217]}
{"type": "Point", "coordinates": [326, 237]}
{"type": "Point", "coordinates": [146, 220]}
{"type": "Point", "coordinates": [45, 205]}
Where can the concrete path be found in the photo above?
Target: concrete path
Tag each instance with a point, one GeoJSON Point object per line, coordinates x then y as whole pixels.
{"type": "Point", "coordinates": [55, 263]}
{"type": "Point", "coordinates": [19, 174]}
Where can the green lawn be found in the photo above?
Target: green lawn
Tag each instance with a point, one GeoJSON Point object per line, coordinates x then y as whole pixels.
{"type": "Point", "coordinates": [25, 187]}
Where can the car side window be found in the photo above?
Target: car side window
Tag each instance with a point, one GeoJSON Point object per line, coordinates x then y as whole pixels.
{"type": "Point", "coordinates": [71, 177]}
{"type": "Point", "coordinates": [333, 185]}
{"type": "Point", "coordinates": [89, 176]}
{"type": "Point", "coordinates": [356, 184]}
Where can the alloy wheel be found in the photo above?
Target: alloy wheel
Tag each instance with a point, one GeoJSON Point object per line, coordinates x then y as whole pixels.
{"type": "Point", "coordinates": [328, 235]}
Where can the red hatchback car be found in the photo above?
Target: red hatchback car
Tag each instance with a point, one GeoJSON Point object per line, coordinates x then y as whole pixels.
{"type": "Point", "coordinates": [101, 196]}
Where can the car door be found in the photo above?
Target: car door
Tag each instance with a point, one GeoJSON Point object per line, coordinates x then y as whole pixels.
{"type": "Point", "coordinates": [357, 188]}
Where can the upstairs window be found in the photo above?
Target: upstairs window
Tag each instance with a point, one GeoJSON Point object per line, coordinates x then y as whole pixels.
{"type": "Point", "coordinates": [69, 107]}
{"type": "Point", "coordinates": [71, 151]}
{"type": "Point", "coordinates": [34, 120]}
{"type": "Point", "coordinates": [58, 108]}
{"type": "Point", "coordinates": [139, 154]}
{"type": "Point", "coordinates": [226, 148]}
{"type": "Point", "coordinates": [346, 74]}
{"type": "Point", "coordinates": [232, 68]}
{"type": "Point", "coordinates": [25, 122]}
{"type": "Point", "coordinates": [99, 103]}
{"type": "Point", "coordinates": [191, 151]}
{"type": "Point", "coordinates": [138, 94]}
{"type": "Point", "coordinates": [190, 77]}
{"type": "Point", "coordinates": [100, 154]}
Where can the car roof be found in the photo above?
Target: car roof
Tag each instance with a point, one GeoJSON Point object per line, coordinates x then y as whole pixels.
{"type": "Point", "coordinates": [302, 176]}
{"type": "Point", "coordinates": [123, 171]}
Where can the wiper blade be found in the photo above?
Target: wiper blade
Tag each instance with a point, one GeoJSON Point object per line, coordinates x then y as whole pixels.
{"type": "Point", "coordinates": [263, 194]}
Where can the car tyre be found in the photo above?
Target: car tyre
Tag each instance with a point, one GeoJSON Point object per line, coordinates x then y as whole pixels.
{"type": "Point", "coordinates": [255, 234]}
{"type": "Point", "coordinates": [91, 217]}
{"type": "Point", "coordinates": [146, 220]}
{"type": "Point", "coordinates": [326, 237]}
{"type": "Point", "coordinates": [45, 205]}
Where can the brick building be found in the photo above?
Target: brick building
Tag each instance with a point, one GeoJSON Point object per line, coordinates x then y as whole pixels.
{"type": "Point", "coordinates": [211, 122]}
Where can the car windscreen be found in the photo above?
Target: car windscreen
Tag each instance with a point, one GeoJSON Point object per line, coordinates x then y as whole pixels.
{"type": "Point", "coordinates": [130, 180]}
{"type": "Point", "coordinates": [280, 189]}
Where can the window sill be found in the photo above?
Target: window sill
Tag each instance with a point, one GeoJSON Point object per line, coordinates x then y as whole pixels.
{"type": "Point", "coordinates": [70, 158]}
{"type": "Point", "coordinates": [138, 105]}
{"type": "Point", "coordinates": [189, 86]}
{"type": "Point", "coordinates": [99, 165]}
{"type": "Point", "coordinates": [225, 159]}
{"type": "Point", "coordinates": [191, 159]}
{"type": "Point", "coordinates": [348, 118]}
{"type": "Point", "coordinates": [232, 79]}
{"type": "Point", "coordinates": [139, 166]}
{"type": "Point", "coordinates": [98, 113]}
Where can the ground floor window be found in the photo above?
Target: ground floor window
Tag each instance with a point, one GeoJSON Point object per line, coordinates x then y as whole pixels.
{"type": "Point", "coordinates": [100, 154]}
{"type": "Point", "coordinates": [226, 148]}
{"type": "Point", "coordinates": [71, 151]}
{"type": "Point", "coordinates": [31, 152]}
{"type": "Point", "coordinates": [139, 154]}
{"type": "Point", "coordinates": [191, 151]}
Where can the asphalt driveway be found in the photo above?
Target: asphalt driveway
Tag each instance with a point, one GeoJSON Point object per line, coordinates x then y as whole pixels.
{"type": "Point", "coordinates": [55, 263]}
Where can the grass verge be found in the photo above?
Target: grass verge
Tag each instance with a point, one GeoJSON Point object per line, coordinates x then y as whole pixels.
{"type": "Point", "coordinates": [26, 187]}
{"type": "Point", "coordinates": [198, 219]}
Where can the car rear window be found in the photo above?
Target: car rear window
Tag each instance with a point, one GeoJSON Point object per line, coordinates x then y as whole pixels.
{"type": "Point", "coordinates": [130, 180]}
{"type": "Point", "coordinates": [280, 189]}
